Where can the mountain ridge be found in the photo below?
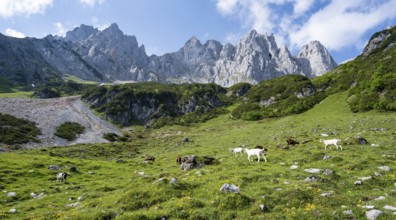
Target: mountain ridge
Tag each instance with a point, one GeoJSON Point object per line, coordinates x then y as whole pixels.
{"type": "Point", "coordinates": [109, 54]}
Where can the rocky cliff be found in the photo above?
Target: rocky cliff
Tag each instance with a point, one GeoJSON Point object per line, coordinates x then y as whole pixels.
{"type": "Point", "coordinates": [107, 55]}
{"type": "Point", "coordinates": [147, 103]}
{"type": "Point", "coordinates": [21, 64]}
{"type": "Point", "coordinates": [381, 40]}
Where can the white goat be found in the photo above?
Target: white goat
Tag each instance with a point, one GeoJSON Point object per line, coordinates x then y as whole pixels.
{"type": "Point", "coordinates": [257, 152]}
{"type": "Point", "coordinates": [236, 150]}
{"type": "Point", "coordinates": [331, 142]}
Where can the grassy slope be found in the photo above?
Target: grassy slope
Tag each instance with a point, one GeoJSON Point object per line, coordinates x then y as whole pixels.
{"type": "Point", "coordinates": [115, 189]}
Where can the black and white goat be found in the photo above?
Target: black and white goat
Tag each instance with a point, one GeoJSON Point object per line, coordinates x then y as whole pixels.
{"type": "Point", "coordinates": [61, 177]}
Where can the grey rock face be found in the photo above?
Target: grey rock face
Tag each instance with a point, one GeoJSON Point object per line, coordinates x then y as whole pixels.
{"type": "Point", "coordinates": [21, 63]}
{"type": "Point", "coordinates": [375, 42]}
{"type": "Point", "coordinates": [109, 55]}
{"type": "Point", "coordinates": [314, 59]}
{"type": "Point", "coordinates": [116, 55]}
{"type": "Point", "coordinates": [373, 214]}
{"type": "Point", "coordinates": [255, 58]}
{"type": "Point", "coordinates": [81, 33]}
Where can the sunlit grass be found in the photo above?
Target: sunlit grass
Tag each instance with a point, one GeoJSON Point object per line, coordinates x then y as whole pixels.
{"type": "Point", "coordinates": [16, 94]}
{"type": "Point", "coordinates": [110, 185]}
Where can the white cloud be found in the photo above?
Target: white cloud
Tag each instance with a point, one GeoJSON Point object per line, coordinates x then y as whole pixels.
{"type": "Point", "coordinates": [14, 33]}
{"type": "Point", "coordinates": [11, 8]}
{"type": "Point", "coordinates": [226, 6]}
{"type": "Point", "coordinates": [336, 23]}
{"type": "Point", "coordinates": [92, 3]}
{"type": "Point", "coordinates": [60, 30]}
{"type": "Point", "coordinates": [301, 6]}
{"type": "Point", "coordinates": [343, 23]}
{"type": "Point", "coordinates": [98, 24]}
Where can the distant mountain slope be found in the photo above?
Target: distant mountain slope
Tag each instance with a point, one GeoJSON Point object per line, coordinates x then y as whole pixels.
{"type": "Point", "coordinates": [370, 78]}
{"type": "Point", "coordinates": [22, 64]}
{"type": "Point", "coordinates": [107, 55]}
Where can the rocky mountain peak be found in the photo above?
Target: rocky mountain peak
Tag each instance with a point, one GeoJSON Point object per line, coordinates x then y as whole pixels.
{"type": "Point", "coordinates": [228, 52]}
{"type": "Point", "coordinates": [320, 60]}
{"type": "Point", "coordinates": [81, 33]}
{"type": "Point", "coordinates": [252, 34]}
{"type": "Point", "coordinates": [193, 42]}
{"type": "Point", "coordinates": [214, 47]}
{"type": "Point", "coordinates": [113, 31]}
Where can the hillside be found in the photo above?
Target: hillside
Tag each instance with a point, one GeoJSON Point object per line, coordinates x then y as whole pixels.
{"type": "Point", "coordinates": [140, 190]}
{"type": "Point", "coordinates": [370, 78]}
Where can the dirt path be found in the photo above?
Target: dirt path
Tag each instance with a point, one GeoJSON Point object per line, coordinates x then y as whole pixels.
{"type": "Point", "coordinates": [50, 113]}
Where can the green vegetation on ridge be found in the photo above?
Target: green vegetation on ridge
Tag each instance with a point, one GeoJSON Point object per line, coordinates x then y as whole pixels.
{"type": "Point", "coordinates": [158, 104]}
{"type": "Point", "coordinates": [370, 80]}
{"type": "Point", "coordinates": [285, 95]}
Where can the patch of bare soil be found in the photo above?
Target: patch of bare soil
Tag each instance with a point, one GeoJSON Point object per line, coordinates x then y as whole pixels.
{"type": "Point", "coordinates": [50, 113]}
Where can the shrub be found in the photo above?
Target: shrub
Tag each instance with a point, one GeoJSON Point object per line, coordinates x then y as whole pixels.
{"type": "Point", "coordinates": [110, 136]}
{"type": "Point", "coordinates": [17, 131]}
{"type": "Point", "coordinates": [69, 130]}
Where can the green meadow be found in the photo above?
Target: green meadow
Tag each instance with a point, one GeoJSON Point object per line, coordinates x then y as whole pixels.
{"type": "Point", "coordinates": [113, 182]}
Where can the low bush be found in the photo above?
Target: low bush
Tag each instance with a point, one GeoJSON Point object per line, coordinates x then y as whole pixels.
{"type": "Point", "coordinates": [69, 130]}
{"type": "Point", "coordinates": [16, 130]}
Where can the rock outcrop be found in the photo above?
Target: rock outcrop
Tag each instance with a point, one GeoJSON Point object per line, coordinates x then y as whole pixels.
{"type": "Point", "coordinates": [377, 41]}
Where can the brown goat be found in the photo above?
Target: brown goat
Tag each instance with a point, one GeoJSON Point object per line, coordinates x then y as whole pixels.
{"type": "Point", "coordinates": [290, 141]}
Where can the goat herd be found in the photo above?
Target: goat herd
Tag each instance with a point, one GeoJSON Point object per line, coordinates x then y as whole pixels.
{"type": "Point", "coordinates": [259, 150]}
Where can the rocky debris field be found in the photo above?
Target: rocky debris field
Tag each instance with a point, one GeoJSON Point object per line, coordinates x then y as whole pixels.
{"type": "Point", "coordinates": [50, 113]}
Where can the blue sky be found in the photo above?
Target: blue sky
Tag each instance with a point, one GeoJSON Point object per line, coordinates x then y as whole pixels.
{"type": "Point", "coordinates": [343, 26]}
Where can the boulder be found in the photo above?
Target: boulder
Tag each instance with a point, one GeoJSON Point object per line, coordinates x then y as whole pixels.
{"type": "Point", "coordinates": [389, 207]}
{"type": "Point", "coordinates": [229, 188]}
{"type": "Point", "coordinates": [191, 162]}
{"type": "Point", "coordinates": [313, 170]}
{"type": "Point", "coordinates": [328, 172]}
{"type": "Point", "coordinates": [173, 181]}
{"type": "Point", "coordinates": [380, 198]}
{"type": "Point", "coordinates": [368, 207]}
{"type": "Point", "coordinates": [347, 212]}
{"type": "Point", "coordinates": [365, 178]}
{"type": "Point", "coordinates": [384, 168]}
{"type": "Point", "coordinates": [54, 167]}
{"type": "Point", "coordinates": [11, 194]}
{"type": "Point", "coordinates": [187, 166]}
{"type": "Point", "coordinates": [326, 194]}
{"type": "Point", "coordinates": [37, 196]}
{"type": "Point", "coordinates": [373, 214]}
